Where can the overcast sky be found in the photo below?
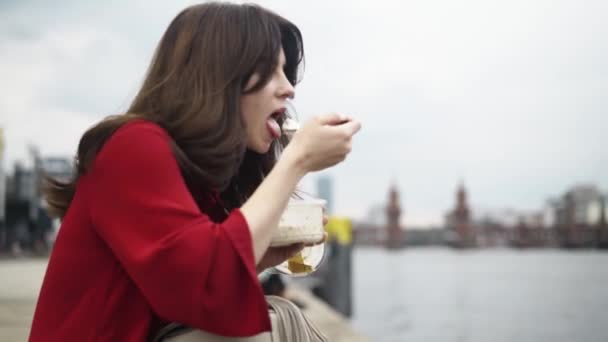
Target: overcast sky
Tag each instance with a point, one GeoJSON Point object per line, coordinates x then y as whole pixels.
{"type": "Point", "coordinates": [509, 96]}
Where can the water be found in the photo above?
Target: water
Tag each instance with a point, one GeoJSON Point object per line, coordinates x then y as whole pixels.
{"type": "Point", "coordinates": [435, 294]}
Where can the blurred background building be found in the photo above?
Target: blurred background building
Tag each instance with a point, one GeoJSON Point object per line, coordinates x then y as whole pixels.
{"type": "Point", "coordinates": [2, 188]}
{"type": "Point", "coordinates": [325, 191]}
{"type": "Point", "coordinates": [25, 226]}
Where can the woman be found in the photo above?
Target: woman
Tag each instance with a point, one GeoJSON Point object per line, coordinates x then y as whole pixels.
{"type": "Point", "coordinates": [173, 205]}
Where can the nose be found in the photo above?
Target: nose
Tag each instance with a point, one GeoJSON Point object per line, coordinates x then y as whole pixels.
{"type": "Point", "coordinates": [286, 89]}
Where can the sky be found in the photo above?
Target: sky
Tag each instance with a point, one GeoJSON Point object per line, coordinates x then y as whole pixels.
{"type": "Point", "coordinates": [509, 97]}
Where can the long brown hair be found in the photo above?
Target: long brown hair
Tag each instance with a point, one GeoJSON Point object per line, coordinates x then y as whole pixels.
{"type": "Point", "coordinates": [193, 88]}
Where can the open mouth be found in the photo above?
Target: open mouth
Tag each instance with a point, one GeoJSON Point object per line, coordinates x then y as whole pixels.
{"type": "Point", "coordinates": [278, 115]}
{"type": "Point", "coordinates": [273, 123]}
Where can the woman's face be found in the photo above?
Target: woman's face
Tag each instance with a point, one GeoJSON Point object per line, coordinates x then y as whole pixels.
{"type": "Point", "coordinates": [261, 108]}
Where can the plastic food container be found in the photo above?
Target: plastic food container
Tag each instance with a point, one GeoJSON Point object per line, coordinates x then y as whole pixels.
{"type": "Point", "coordinates": [301, 222]}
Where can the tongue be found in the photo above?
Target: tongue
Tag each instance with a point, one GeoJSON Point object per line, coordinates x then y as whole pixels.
{"type": "Point", "coordinates": [273, 127]}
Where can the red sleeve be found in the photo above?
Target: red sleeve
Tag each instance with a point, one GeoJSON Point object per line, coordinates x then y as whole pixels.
{"type": "Point", "coordinates": [190, 269]}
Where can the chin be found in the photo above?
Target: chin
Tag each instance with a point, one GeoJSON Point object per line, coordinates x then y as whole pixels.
{"type": "Point", "coordinates": [261, 148]}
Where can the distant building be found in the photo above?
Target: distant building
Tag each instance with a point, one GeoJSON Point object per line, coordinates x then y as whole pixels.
{"type": "Point", "coordinates": [57, 167]}
{"type": "Point", "coordinates": [2, 184]}
{"type": "Point", "coordinates": [395, 233]}
{"type": "Point", "coordinates": [383, 227]}
{"type": "Point", "coordinates": [578, 215]}
{"type": "Point", "coordinates": [376, 215]}
{"type": "Point", "coordinates": [580, 205]}
{"type": "Point", "coordinates": [548, 213]}
{"type": "Point", "coordinates": [20, 186]}
{"type": "Point", "coordinates": [325, 191]}
{"type": "Point", "coordinates": [596, 210]}
{"type": "Point", "coordinates": [602, 224]}
{"type": "Point", "coordinates": [510, 217]}
{"type": "Point", "coordinates": [504, 217]}
{"type": "Point", "coordinates": [368, 234]}
{"type": "Point", "coordinates": [27, 221]}
{"type": "Point", "coordinates": [459, 221]}
{"type": "Point", "coordinates": [603, 221]}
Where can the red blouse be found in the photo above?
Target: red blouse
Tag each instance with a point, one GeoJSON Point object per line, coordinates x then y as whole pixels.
{"type": "Point", "coordinates": [135, 251]}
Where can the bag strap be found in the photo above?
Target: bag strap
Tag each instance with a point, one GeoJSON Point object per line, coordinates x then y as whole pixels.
{"type": "Point", "coordinates": [291, 324]}
{"type": "Point", "coordinates": [171, 330]}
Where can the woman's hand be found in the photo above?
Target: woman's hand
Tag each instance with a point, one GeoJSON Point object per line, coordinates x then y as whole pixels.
{"type": "Point", "coordinates": [322, 142]}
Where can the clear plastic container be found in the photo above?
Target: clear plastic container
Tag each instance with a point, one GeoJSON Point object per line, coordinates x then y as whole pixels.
{"type": "Point", "coordinates": [302, 221]}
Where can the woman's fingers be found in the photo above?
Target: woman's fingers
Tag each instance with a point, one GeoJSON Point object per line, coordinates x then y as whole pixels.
{"type": "Point", "coordinates": [291, 250]}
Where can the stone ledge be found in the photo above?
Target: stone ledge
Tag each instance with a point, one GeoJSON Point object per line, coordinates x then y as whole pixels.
{"type": "Point", "coordinates": [335, 326]}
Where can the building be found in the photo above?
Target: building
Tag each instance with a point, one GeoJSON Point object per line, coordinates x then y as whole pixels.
{"type": "Point", "coordinates": [383, 226]}
{"type": "Point", "coordinates": [459, 221]}
{"type": "Point", "coordinates": [2, 186]}
{"type": "Point", "coordinates": [602, 224]}
{"type": "Point", "coordinates": [394, 230]}
{"type": "Point", "coordinates": [325, 191]}
{"type": "Point", "coordinates": [578, 215]}
{"type": "Point", "coordinates": [579, 205]}
{"type": "Point", "coordinates": [27, 223]}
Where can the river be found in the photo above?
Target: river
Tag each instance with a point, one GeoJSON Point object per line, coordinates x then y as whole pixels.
{"type": "Point", "coordinates": [440, 294]}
